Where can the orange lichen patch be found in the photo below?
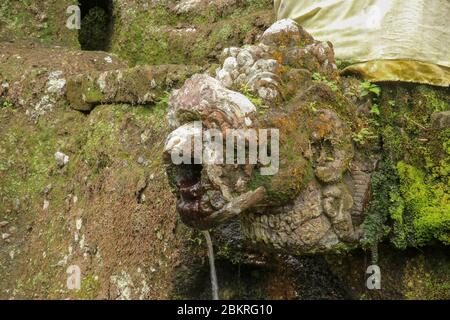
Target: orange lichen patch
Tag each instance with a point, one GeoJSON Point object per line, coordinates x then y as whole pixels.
{"type": "Point", "coordinates": [295, 170]}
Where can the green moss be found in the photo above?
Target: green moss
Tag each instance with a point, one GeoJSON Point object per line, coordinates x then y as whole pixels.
{"type": "Point", "coordinates": [93, 93]}
{"type": "Point", "coordinates": [225, 32]}
{"type": "Point", "coordinates": [342, 64]}
{"type": "Point", "coordinates": [394, 143]}
{"type": "Point", "coordinates": [37, 150]}
{"type": "Point", "coordinates": [429, 204]}
{"type": "Point", "coordinates": [411, 191]}
{"type": "Point", "coordinates": [402, 229]}
{"type": "Point", "coordinates": [101, 141]}
{"type": "Point", "coordinates": [363, 136]}
{"type": "Point", "coordinates": [161, 106]}
{"type": "Point", "coordinates": [155, 37]}
{"type": "Point", "coordinates": [109, 136]}
{"type": "Point", "coordinates": [427, 279]}
{"type": "Point", "coordinates": [90, 286]}
{"type": "Point", "coordinates": [15, 17]}
{"type": "Point", "coordinates": [143, 41]}
{"type": "Point", "coordinates": [384, 186]}
{"type": "Point", "coordinates": [320, 78]}
{"type": "Point", "coordinates": [245, 90]}
{"type": "Point", "coordinates": [434, 100]}
{"type": "Point", "coordinates": [22, 19]}
{"type": "Point", "coordinates": [293, 174]}
{"type": "Point", "coordinates": [227, 252]}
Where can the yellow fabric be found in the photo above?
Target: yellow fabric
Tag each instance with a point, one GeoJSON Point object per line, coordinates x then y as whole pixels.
{"type": "Point", "coordinates": [402, 70]}
{"type": "Point", "coordinates": [401, 40]}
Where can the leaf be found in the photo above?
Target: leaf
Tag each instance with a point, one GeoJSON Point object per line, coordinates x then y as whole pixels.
{"type": "Point", "coordinates": [375, 110]}
{"type": "Point", "coordinates": [376, 90]}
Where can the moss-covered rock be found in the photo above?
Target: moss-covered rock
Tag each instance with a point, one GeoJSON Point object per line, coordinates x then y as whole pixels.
{"type": "Point", "coordinates": [138, 85]}
{"type": "Point", "coordinates": [414, 209]}
{"type": "Point", "coordinates": [45, 21]}
{"type": "Point", "coordinates": [164, 35]}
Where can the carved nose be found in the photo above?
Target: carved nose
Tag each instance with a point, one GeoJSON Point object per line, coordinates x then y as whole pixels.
{"type": "Point", "coordinates": [205, 99]}
{"type": "Point", "coordinates": [180, 143]}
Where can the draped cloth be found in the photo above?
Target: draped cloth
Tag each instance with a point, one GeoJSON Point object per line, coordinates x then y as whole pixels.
{"type": "Point", "coordinates": [383, 40]}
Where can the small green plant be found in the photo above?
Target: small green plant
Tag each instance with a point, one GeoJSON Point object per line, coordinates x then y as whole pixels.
{"type": "Point", "coordinates": [342, 64]}
{"type": "Point", "coordinates": [162, 104]}
{"type": "Point", "coordinates": [363, 136]}
{"type": "Point", "coordinates": [320, 78]}
{"type": "Point", "coordinates": [196, 239]}
{"type": "Point", "coordinates": [8, 105]}
{"type": "Point", "coordinates": [375, 109]}
{"type": "Point", "coordinates": [246, 91]}
{"type": "Point", "coordinates": [313, 106]}
{"type": "Point", "coordinates": [163, 101]}
{"type": "Point", "coordinates": [369, 87]}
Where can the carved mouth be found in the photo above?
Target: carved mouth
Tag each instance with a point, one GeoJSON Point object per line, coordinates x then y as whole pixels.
{"type": "Point", "coordinates": [193, 203]}
{"type": "Point", "coordinates": [200, 204]}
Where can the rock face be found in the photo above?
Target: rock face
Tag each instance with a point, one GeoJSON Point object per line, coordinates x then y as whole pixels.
{"type": "Point", "coordinates": [90, 189]}
{"type": "Point", "coordinates": [312, 207]}
{"type": "Point", "coordinates": [441, 120]}
{"type": "Point", "coordinates": [112, 146]}
{"type": "Point", "coordinates": [37, 77]}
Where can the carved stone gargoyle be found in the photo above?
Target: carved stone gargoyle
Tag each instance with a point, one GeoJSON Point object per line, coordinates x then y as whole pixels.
{"type": "Point", "coordinates": [317, 199]}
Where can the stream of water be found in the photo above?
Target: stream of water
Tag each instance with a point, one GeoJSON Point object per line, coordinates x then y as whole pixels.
{"type": "Point", "coordinates": [212, 266]}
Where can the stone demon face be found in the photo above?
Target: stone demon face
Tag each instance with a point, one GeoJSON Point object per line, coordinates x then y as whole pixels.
{"type": "Point", "coordinates": [307, 187]}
